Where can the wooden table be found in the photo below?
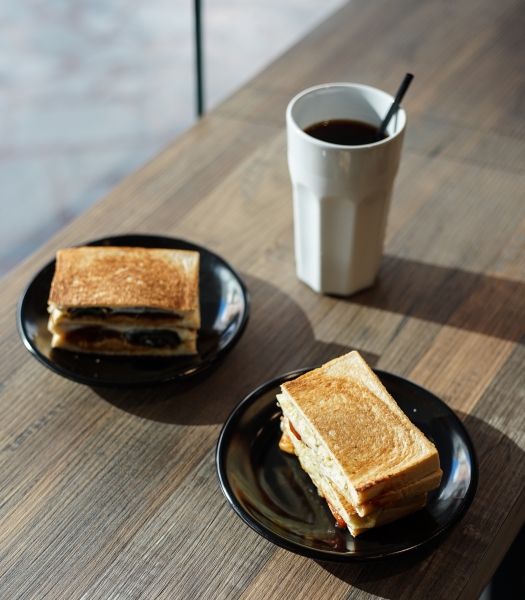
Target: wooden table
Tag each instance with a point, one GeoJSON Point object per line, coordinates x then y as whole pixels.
{"type": "Point", "coordinates": [113, 494]}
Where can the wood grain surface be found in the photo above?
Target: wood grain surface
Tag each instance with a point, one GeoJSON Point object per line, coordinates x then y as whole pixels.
{"type": "Point", "coordinates": [113, 494]}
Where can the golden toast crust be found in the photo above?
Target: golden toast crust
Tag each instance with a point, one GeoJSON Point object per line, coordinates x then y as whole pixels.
{"type": "Point", "coordinates": [132, 277]}
{"type": "Point", "coordinates": [378, 448]}
{"type": "Point", "coordinates": [338, 504]}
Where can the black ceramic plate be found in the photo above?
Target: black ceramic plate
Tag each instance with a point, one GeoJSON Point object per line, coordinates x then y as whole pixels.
{"type": "Point", "coordinates": [225, 308]}
{"type": "Point", "coordinates": [272, 494]}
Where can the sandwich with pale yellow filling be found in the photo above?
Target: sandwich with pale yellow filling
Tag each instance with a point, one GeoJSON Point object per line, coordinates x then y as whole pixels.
{"type": "Point", "coordinates": [366, 458]}
{"type": "Point", "coordinates": [119, 300]}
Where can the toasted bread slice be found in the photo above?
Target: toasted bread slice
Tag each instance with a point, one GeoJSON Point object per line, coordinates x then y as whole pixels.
{"type": "Point", "coordinates": [338, 504]}
{"type": "Point", "coordinates": [290, 443]}
{"type": "Point", "coordinates": [423, 485]}
{"type": "Point", "coordinates": [119, 278]}
{"type": "Point", "coordinates": [361, 438]}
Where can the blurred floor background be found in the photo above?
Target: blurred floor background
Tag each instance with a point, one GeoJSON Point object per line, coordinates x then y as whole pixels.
{"type": "Point", "coordinates": [90, 90]}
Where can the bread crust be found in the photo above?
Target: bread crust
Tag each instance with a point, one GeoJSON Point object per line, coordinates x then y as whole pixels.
{"type": "Point", "coordinates": [339, 504]}
{"type": "Point", "coordinates": [289, 443]}
{"type": "Point", "coordinates": [111, 276]}
{"type": "Point", "coordinates": [361, 428]}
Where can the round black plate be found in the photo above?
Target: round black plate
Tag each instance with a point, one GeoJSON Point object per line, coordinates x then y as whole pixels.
{"type": "Point", "coordinates": [225, 307]}
{"type": "Point", "coordinates": [272, 494]}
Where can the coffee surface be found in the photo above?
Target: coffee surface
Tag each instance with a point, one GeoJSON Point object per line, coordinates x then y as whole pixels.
{"type": "Point", "coordinates": [344, 132]}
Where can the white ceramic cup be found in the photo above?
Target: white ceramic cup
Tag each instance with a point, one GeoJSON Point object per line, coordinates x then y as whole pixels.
{"type": "Point", "coordinates": [341, 194]}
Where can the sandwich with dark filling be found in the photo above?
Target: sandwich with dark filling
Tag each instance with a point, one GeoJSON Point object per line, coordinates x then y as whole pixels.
{"type": "Point", "coordinates": [366, 458]}
{"type": "Point", "coordinates": [117, 300]}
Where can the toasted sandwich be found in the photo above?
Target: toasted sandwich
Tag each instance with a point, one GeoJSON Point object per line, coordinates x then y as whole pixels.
{"type": "Point", "coordinates": [364, 455]}
{"type": "Point", "coordinates": [117, 300]}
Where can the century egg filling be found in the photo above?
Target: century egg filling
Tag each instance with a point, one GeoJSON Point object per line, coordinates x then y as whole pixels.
{"type": "Point", "coordinates": [103, 312]}
{"type": "Point", "coordinates": [150, 338]}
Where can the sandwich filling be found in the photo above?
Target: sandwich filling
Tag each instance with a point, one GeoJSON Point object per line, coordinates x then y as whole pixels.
{"type": "Point", "coordinates": [105, 312]}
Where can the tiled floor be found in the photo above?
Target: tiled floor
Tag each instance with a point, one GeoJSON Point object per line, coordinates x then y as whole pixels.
{"type": "Point", "coordinates": [91, 90]}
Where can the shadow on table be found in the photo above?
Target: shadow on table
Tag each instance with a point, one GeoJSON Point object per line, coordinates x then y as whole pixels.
{"type": "Point", "coordinates": [479, 303]}
{"type": "Point", "coordinates": [265, 351]}
{"type": "Point", "coordinates": [500, 462]}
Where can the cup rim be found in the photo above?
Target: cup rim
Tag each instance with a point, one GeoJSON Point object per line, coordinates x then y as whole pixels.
{"type": "Point", "coordinates": [321, 143]}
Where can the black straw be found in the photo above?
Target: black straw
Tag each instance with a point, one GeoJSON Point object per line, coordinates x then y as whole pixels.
{"type": "Point", "coordinates": [395, 106]}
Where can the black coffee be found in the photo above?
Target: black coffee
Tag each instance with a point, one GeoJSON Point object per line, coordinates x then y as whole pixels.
{"type": "Point", "coordinates": [344, 132]}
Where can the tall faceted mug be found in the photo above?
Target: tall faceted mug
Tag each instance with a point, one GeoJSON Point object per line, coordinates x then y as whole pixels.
{"type": "Point", "coordinates": [341, 194]}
